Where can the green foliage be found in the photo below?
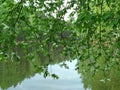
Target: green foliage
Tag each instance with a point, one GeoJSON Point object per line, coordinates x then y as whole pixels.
{"type": "Point", "coordinates": [39, 26]}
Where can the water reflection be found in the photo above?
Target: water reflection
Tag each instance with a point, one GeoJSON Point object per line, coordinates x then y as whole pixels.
{"type": "Point", "coordinates": [13, 73]}
{"type": "Point", "coordinates": [29, 79]}
{"type": "Point", "coordinates": [36, 74]}
{"type": "Point", "coordinates": [100, 78]}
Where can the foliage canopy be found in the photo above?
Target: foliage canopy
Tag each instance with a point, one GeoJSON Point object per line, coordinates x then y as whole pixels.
{"type": "Point", "coordinates": [91, 33]}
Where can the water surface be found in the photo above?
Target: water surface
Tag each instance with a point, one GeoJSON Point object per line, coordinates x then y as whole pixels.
{"type": "Point", "coordinates": [69, 79]}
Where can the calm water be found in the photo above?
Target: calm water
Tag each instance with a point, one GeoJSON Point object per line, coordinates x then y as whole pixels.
{"type": "Point", "coordinates": [24, 75]}
{"type": "Point", "coordinates": [69, 79]}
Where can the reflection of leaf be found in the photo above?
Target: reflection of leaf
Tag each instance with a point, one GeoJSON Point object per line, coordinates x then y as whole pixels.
{"type": "Point", "coordinates": [39, 68]}
{"type": "Point", "coordinates": [64, 65]}
{"type": "Point", "coordinates": [46, 73]}
{"type": "Point", "coordinates": [55, 76]}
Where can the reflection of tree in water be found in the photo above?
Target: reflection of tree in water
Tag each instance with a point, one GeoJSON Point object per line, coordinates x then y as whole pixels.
{"type": "Point", "coordinates": [13, 72]}
{"type": "Point", "coordinates": [102, 78]}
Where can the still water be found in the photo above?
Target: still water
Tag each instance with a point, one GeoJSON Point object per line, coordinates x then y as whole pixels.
{"type": "Point", "coordinates": [25, 75]}
{"type": "Point", "coordinates": [69, 79]}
